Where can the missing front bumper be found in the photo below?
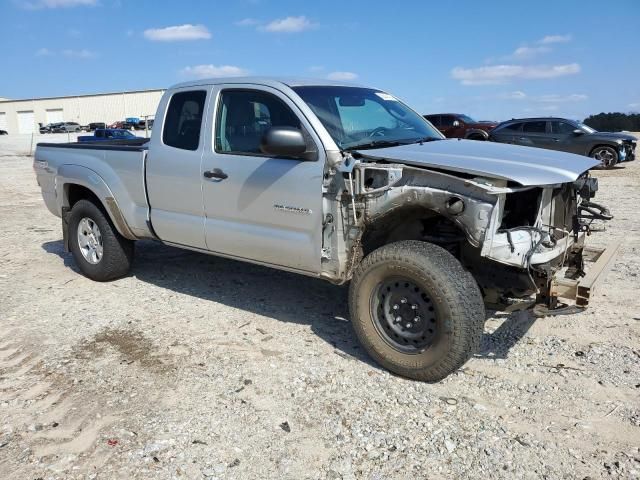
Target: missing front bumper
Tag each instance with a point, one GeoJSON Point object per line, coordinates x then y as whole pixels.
{"type": "Point", "coordinates": [565, 295]}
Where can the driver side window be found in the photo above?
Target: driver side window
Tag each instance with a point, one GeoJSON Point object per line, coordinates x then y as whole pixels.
{"type": "Point", "coordinates": [244, 116]}
{"type": "Point", "coordinates": [562, 128]}
{"type": "Point", "coordinates": [365, 118]}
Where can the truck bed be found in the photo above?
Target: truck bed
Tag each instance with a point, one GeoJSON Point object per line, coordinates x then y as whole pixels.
{"type": "Point", "coordinates": [114, 170]}
{"type": "Point", "coordinates": [136, 145]}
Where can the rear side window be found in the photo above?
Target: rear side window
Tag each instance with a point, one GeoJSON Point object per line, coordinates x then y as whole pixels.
{"type": "Point", "coordinates": [535, 127]}
{"type": "Point", "coordinates": [183, 121]}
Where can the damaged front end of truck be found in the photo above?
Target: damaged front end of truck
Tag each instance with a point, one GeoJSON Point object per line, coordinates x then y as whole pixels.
{"type": "Point", "coordinates": [523, 243]}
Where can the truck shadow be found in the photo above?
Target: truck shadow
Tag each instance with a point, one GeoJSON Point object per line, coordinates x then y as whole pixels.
{"type": "Point", "coordinates": [260, 290]}
{"type": "Point", "coordinates": [276, 294]}
{"type": "Point", "coordinates": [514, 327]}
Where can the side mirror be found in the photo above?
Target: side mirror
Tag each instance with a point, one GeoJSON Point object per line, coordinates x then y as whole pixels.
{"type": "Point", "coordinates": [283, 142]}
{"type": "Point", "coordinates": [456, 123]}
{"type": "Point", "coordinates": [578, 131]}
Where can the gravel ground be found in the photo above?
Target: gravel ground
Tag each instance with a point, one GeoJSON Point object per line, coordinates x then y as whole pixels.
{"type": "Point", "coordinates": [200, 367]}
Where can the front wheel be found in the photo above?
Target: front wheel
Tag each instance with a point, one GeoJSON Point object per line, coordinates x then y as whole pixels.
{"type": "Point", "coordinates": [100, 252]}
{"type": "Point", "coordinates": [607, 156]}
{"type": "Point", "coordinates": [415, 310]}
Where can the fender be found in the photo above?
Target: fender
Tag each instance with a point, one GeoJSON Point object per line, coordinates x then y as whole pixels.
{"type": "Point", "coordinates": [83, 176]}
{"type": "Point", "coordinates": [476, 131]}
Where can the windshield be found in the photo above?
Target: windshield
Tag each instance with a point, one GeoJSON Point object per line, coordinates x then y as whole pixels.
{"type": "Point", "coordinates": [365, 118]}
{"type": "Point", "coordinates": [467, 119]}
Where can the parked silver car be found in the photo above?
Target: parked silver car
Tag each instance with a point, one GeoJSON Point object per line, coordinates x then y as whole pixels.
{"type": "Point", "coordinates": [67, 127]}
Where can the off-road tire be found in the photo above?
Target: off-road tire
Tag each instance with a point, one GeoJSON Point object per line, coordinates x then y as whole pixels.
{"type": "Point", "coordinates": [453, 291]}
{"type": "Point", "coordinates": [117, 251]}
{"type": "Point", "coordinates": [613, 156]}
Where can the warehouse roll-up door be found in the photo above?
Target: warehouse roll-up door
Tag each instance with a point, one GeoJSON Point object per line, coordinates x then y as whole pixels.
{"type": "Point", "coordinates": [26, 122]}
{"type": "Point", "coordinates": [3, 121]}
{"type": "Point", "coordinates": [54, 115]}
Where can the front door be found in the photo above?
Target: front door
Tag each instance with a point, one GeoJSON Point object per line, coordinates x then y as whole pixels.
{"type": "Point", "coordinates": [259, 207]}
{"type": "Point", "coordinates": [563, 138]}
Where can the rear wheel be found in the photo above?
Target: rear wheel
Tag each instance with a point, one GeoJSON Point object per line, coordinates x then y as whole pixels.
{"type": "Point", "coordinates": [416, 311]}
{"type": "Point", "coordinates": [98, 249]}
{"type": "Point", "coordinates": [607, 156]}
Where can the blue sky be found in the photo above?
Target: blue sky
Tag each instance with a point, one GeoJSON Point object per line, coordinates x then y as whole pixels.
{"type": "Point", "coordinates": [493, 59]}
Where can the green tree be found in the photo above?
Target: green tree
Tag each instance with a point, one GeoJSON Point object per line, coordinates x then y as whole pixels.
{"type": "Point", "coordinates": [614, 122]}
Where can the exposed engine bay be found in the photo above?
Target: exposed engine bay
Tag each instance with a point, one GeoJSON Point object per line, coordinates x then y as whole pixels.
{"type": "Point", "coordinates": [514, 239]}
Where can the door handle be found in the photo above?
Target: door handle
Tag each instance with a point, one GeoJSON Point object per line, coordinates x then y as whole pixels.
{"type": "Point", "coordinates": [215, 173]}
{"type": "Point", "coordinates": [555, 139]}
{"type": "Point", "coordinates": [522, 138]}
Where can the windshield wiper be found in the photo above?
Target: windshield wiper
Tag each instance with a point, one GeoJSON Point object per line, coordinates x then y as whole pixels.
{"type": "Point", "coordinates": [389, 143]}
{"type": "Point", "coordinates": [375, 144]}
{"type": "Point", "coordinates": [424, 140]}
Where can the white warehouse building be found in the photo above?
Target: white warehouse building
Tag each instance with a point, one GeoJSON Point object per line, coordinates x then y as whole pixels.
{"type": "Point", "coordinates": [23, 116]}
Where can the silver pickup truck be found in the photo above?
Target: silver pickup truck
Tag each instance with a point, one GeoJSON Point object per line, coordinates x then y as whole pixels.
{"type": "Point", "coordinates": [343, 183]}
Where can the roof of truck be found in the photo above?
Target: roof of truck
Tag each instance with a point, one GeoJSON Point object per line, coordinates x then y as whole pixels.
{"type": "Point", "coordinates": [269, 81]}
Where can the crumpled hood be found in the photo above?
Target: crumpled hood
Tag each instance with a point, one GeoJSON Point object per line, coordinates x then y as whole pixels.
{"type": "Point", "coordinates": [524, 165]}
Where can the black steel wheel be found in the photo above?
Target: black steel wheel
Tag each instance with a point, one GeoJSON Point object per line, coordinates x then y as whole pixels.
{"type": "Point", "coordinates": [415, 310]}
{"type": "Point", "coordinates": [404, 315]}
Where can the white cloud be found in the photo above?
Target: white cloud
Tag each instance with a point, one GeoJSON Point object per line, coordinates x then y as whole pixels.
{"type": "Point", "coordinates": [555, 39]}
{"type": "Point", "coordinates": [208, 71]}
{"type": "Point", "coordinates": [289, 25]}
{"type": "Point", "coordinates": [547, 98]}
{"type": "Point", "coordinates": [499, 74]}
{"type": "Point", "coordinates": [177, 33]}
{"type": "Point", "coordinates": [634, 105]}
{"type": "Point", "coordinates": [39, 4]}
{"type": "Point", "coordinates": [525, 52]}
{"type": "Point", "coordinates": [342, 76]}
{"type": "Point", "coordinates": [84, 53]}
{"type": "Point", "coordinates": [43, 52]}
{"type": "Point", "coordinates": [516, 95]}
{"type": "Point", "coordinates": [247, 22]}
{"type": "Point", "coordinates": [574, 97]}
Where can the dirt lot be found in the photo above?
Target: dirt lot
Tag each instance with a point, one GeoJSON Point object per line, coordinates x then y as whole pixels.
{"type": "Point", "coordinates": [199, 367]}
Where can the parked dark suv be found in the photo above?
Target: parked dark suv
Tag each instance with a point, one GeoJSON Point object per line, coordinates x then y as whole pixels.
{"type": "Point", "coordinates": [567, 136]}
{"type": "Point", "coordinates": [455, 125]}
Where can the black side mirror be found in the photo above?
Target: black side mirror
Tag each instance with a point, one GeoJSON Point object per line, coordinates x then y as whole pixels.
{"type": "Point", "coordinates": [283, 142]}
{"type": "Point", "coordinates": [578, 131]}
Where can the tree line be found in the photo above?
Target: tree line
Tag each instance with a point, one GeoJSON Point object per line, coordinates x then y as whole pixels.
{"type": "Point", "coordinates": [614, 122]}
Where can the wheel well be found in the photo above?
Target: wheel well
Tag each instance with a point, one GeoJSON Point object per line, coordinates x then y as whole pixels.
{"type": "Point", "coordinates": [479, 135]}
{"type": "Point", "coordinates": [75, 192]}
{"type": "Point", "coordinates": [413, 224]}
{"type": "Point", "coordinates": [602, 145]}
